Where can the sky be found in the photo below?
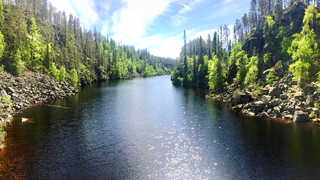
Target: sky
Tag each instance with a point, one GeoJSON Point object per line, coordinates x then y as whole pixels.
{"type": "Point", "coordinates": [156, 25]}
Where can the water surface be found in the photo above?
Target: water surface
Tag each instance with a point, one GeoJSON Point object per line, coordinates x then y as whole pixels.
{"type": "Point", "coordinates": [149, 129]}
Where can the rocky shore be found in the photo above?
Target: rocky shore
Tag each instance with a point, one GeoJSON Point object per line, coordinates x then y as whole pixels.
{"type": "Point", "coordinates": [283, 99]}
{"type": "Point", "coordinates": [19, 93]}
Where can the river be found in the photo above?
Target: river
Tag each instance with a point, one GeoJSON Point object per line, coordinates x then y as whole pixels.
{"type": "Point", "coordinates": [146, 128]}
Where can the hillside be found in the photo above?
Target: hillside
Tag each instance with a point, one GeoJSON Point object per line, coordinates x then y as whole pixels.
{"type": "Point", "coordinates": [269, 69]}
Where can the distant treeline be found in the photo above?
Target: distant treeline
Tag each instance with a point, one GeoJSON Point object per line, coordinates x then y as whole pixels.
{"type": "Point", "coordinates": [34, 36]}
{"type": "Point", "coordinates": [273, 32]}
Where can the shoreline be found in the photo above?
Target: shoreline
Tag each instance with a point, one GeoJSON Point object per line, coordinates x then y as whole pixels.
{"type": "Point", "coordinates": [283, 100]}
{"type": "Point", "coordinates": [18, 93]}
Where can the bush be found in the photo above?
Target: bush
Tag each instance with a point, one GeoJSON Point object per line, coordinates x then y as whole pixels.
{"type": "Point", "coordinates": [300, 70]}
{"type": "Point", "coordinates": [62, 74]}
{"type": "Point", "coordinates": [53, 71]}
{"type": "Point", "coordinates": [271, 77]}
{"type": "Point", "coordinates": [6, 101]}
{"type": "Point", "coordinates": [216, 79]}
{"type": "Point", "coordinates": [74, 77]}
{"type": "Point", "coordinates": [252, 73]}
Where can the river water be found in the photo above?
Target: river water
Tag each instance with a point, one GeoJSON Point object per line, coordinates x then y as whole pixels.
{"type": "Point", "coordinates": [149, 129]}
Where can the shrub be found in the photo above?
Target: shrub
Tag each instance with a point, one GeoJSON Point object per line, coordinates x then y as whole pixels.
{"type": "Point", "coordinates": [271, 77]}
{"type": "Point", "coordinates": [74, 77]}
{"type": "Point", "coordinates": [53, 71]}
{"type": "Point", "coordinates": [62, 74]}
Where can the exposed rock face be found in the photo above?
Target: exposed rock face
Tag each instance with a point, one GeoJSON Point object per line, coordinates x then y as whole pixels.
{"type": "Point", "coordinates": [29, 89]}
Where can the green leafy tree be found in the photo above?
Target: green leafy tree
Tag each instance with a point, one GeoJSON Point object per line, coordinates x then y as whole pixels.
{"type": "Point", "coordinates": [304, 48]}
{"type": "Point", "coordinates": [53, 71]}
{"type": "Point", "coordinates": [252, 74]}
{"type": "Point", "coordinates": [216, 79]}
{"type": "Point", "coordinates": [2, 45]}
{"type": "Point", "coordinates": [35, 47]}
{"type": "Point", "coordinates": [17, 64]}
{"type": "Point", "coordinates": [74, 77]}
{"type": "Point", "coordinates": [242, 60]}
{"type": "Point", "coordinates": [62, 74]}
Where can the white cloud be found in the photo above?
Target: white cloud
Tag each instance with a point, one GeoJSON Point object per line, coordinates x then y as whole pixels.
{"type": "Point", "coordinates": [130, 22]}
{"type": "Point", "coordinates": [77, 8]}
{"type": "Point", "coordinates": [188, 6]}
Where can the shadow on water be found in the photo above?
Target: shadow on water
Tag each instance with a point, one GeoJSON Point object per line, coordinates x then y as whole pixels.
{"type": "Point", "coordinates": [149, 129]}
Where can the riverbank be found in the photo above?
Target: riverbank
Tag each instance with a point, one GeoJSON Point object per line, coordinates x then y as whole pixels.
{"type": "Point", "coordinates": [18, 93]}
{"type": "Point", "coordinates": [283, 99]}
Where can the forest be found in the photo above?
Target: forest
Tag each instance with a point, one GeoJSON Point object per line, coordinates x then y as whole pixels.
{"type": "Point", "coordinates": [273, 32]}
{"type": "Point", "coordinates": [35, 37]}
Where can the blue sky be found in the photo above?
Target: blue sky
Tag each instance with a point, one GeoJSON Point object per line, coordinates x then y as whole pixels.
{"type": "Point", "coordinates": [155, 24]}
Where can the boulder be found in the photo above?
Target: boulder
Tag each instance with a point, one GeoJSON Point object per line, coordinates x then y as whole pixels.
{"type": "Point", "coordinates": [300, 116]}
{"type": "Point", "coordinates": [10, 89]}
{"type": "Point", "coordinates": [258, 107]}
{"type": "Point", "coordinates": [275, 92]}
{"type": "Point", "coordinates": [240, 97]}
{"type": "Point", "coordinates": [266, 98]}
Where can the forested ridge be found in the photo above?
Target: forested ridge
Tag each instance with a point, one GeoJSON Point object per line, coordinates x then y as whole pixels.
{"type": "Point", "coordinates": [35, 37]}
{"type": "Point", "coordinates": [273, 33]}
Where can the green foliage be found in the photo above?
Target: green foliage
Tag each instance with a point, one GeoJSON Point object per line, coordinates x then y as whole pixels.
{"type": "Point", "coordinates": [285, 45]}
{"type": "Point", "coordinates": [1, 68]}
{"type": "Point", "coordinates": [267, 59]}
{"type": "Point", "coordinates": [53, 71]}
{"type": "Point", "coordinates": [216, 79]}
{"type": "Point", "coordinates": [300, 70]}
{"type": "Point", "coordinates": [35, 47]}
{"type": "Point", "coordinates": [252, 74]}
{"type": "Point", "coordinates": [271, 77]}
{"type": "Point", "coordinates": [304, 48]}
{"type": "Point", "coordinates": [32, 39]}
{"type": "Point", "coordinates": [6, 101]}
{"type": "Point", "coordinates": [74, 77]}
{"type": "Point", "coordinates": [17, 65]}
{"type": "Point", "coordinates": [270, 22]}
{"type": "Point", "coordinates": [62, 74]}
{"type": "Point", "coordinates": [85, 74]}
{"type": "Point", "coordinates": [241, 62]}
{"type": "Point", "coordinates": [2, 45]}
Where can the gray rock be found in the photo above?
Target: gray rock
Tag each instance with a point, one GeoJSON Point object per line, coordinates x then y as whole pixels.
{"type": "Point", "coordinates": [239, 97]}
{"type": "Point", "coordinates": [4, 94]}
{"type": "Point", "coordinates": [266, 98]}
{"type": "Point", "coordinates": [300, 116]}
{"type": "Point", "coordinates": [275, 102]}
{"type": "Point", "coordinates": [275, 92]}
{"type": "Point", "coordinates": [11, 89]}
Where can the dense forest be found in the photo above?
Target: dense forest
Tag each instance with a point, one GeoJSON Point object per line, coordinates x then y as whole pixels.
{"type": "Point", "coordinates": [274, 32]}
{"type": "Point", "coordinates": [35, 37]}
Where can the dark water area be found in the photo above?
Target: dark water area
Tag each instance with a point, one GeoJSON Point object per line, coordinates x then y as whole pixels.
{"type": "Point", "coordinates": [148, 129]}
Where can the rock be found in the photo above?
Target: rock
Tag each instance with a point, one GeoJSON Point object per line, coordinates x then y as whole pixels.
{"type": "Point", "coordinates": [11, 89]}
{"type": "Point", "coordinates": [300, 116]}
{"type": "Point", "coordinates": [239, 97]}
{"type": "Point", "coordinates": [309, 101]}
{"type": "Point", "coordinates": [275, 92]}
{"type": "Point", "coordinates": [263, 115]}
{"type": "Point", "coordinates": [275, 102]}
{"type": "Point", "coordinates": [237, 107]}
{"type": "Point", "coordinates": [258, 107]}
{"type": "Point", "coordinates": [266, 98]}
{"type": "Point", "coordinates": [283, 96]}
{"type": "Point", "coordinates": [299, 96]}
{"type": "Point", "coordinates": [4, 94]}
